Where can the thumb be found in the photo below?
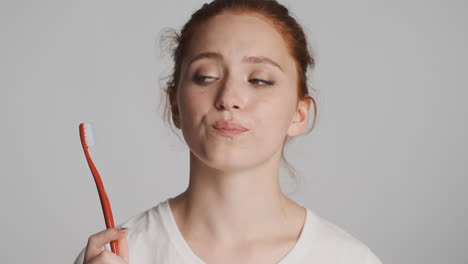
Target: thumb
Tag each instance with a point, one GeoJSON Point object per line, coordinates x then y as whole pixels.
{"type": "Point", "coordinates": [123, 245]}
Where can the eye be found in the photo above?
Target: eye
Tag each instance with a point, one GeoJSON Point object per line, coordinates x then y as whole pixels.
{"type": "Point", "coordinates": [266, 83]}
{"type": "Point", "coordinates": [200, 79]}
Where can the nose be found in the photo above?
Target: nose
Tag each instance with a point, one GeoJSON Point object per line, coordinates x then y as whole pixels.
{"type": "Point", "coordinates": [230, 95]}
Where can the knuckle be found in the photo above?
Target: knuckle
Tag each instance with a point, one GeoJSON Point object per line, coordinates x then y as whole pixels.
{"type": "Point", "coordinates": [91, 238]}
{"type": "Point", "coordinates": [106, 255]}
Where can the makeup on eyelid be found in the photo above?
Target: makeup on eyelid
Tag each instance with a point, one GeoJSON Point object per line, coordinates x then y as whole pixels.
{"type": "Point", "coordinates": [197, 79]}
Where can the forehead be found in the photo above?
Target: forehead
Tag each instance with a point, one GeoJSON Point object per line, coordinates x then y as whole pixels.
{"type": "Point", "coordinates": [238, 35]}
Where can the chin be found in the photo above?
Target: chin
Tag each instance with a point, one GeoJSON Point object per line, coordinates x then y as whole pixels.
{"type": "Point", "coordinates": [225, 161]}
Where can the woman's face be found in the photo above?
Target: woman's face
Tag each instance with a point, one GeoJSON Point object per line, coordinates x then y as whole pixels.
{"type": "Point", "coordinates": [237, 68]}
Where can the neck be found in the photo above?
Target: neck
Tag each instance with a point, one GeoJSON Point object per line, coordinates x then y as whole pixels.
{"type": "Point", "coordinates": [229, 207]}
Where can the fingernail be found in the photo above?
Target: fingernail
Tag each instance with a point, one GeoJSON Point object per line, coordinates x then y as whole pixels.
{"type": "Point", "coordinates": [123, 229]}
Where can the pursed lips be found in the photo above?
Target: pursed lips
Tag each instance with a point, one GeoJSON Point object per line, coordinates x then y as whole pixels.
{"type": "Point", "coordinates": [228, 128]}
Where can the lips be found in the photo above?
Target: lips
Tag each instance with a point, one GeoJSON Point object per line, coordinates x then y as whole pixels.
{"type": "Point", "coordinates": [229, 126]}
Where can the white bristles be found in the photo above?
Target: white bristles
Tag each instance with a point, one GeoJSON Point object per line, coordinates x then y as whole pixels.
{"type": "Point", "coordinates": [89, 133]}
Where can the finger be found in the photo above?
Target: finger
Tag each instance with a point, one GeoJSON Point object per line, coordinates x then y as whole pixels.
{"type": "Point", "coordinates": [123, 247]}
{"type": "Point", "coordinates": [106, 256]}
{"type": "Point", "coordinates": [97, 241]}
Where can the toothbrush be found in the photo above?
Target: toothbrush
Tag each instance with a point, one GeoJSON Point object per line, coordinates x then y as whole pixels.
{"type": "Point", "coordinates": [88, 139]}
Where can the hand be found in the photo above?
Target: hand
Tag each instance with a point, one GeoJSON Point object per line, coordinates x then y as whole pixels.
{"type": "Point", "coordinates": [94, 253]}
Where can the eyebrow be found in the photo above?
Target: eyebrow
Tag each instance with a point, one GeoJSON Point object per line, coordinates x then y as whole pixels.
{"type": "Point", "coordinates": [245, 59]}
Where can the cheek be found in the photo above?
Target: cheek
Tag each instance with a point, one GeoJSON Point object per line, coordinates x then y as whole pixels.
{"type": "Point", "coordinates": [193, 105]}
{"type": "Point", "coordinates": [273, 117]}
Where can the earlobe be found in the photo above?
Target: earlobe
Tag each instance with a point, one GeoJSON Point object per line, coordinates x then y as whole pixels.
{"type": "Point", "coordinates": [296, 127]}
{"type": "Point", "coordinates": [300, 119]}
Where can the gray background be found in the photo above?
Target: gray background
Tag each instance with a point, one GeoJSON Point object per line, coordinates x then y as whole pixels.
{"type": "Point", "coordinates": [387, 161]}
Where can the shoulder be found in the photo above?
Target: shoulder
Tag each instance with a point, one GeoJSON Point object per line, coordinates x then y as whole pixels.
{"type": "Point", "coordinates": [145, 224]}
{"type": "Point", "coordinates": [143, 221]}
{"type": "Point", "coordinates": [337, 242]}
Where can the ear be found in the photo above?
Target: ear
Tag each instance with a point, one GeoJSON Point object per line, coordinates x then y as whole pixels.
{"type": "Point", "coordinates": [174, 109]}
{"type": "Point", "coordinates": [299, 121]}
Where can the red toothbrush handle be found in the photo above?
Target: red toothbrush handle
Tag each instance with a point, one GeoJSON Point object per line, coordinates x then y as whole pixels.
{"type": "Point", "coordinates": [105, 204]}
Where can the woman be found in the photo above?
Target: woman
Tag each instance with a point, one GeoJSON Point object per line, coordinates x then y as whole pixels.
{"type": "Point", "coordinates": [238, 93]}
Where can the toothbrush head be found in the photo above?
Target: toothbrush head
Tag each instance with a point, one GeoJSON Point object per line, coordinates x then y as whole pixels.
{"type": "Point", "coordinates": [87, 134]}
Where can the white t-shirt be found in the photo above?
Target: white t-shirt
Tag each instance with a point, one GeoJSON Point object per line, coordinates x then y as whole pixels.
{"type": "Point", "coordinates": [154, 238]}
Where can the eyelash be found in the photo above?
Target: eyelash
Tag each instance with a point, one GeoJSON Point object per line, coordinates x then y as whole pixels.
{"type": "Point", "coordinates": [197, 79]}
